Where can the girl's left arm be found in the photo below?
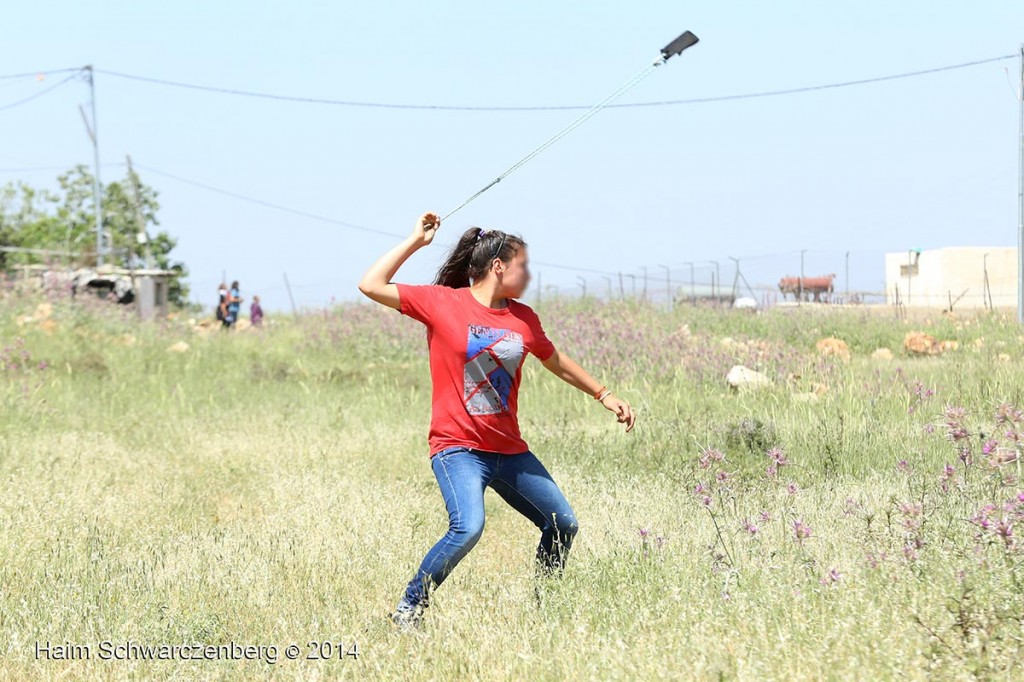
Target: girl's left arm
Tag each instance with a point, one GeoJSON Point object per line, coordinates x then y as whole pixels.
{"type": "Point", "coordinates": [566, 369]}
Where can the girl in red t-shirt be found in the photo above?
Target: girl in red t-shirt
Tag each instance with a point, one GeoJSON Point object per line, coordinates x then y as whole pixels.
{"type": "Point", "coordinates": [478, 335]}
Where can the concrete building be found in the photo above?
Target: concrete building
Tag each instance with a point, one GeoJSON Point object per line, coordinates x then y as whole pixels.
{"type": "Point", "coordinates": [961, 276]}
{"type": "Point", "coordinates": [147, 290]}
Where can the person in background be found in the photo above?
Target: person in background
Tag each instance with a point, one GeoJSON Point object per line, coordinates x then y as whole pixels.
{"type": "Point", "coordinates": [222, 304]}
{"type": "Point", "coordinates": [234, 302]}
{"type": "Point", "coordinates": [256, 312]}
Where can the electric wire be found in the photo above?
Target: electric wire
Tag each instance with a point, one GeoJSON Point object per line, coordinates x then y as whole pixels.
{"type": "Point", "coordinates": [266, 204]}
{"type": "Point", "coordinates": [306, 214]}
{"type": "Point", "coordinates": [626, 105]}
{"type": "Point", "coordinates": [36, 74]}
{"type": "Point", "coordinates": [37, 94]}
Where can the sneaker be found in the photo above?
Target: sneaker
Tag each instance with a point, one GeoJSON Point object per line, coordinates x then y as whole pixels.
{"type": "Point", "coordinates": [408, 616]}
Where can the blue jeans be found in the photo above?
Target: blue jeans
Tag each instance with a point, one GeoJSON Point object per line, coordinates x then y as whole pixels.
{"type": "Point", "coordinates": [522, 481]}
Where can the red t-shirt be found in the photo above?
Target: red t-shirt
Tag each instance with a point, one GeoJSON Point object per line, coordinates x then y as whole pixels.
{"type": "Point", "coordinates": [476, 359]}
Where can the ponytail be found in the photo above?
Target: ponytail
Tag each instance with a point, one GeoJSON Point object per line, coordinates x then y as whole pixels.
{"type": "Point", "coordinates": [471, 257]}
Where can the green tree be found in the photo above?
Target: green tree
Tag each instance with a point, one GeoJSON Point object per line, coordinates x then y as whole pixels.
{"type": "Point", "coordinates": [65, 221]}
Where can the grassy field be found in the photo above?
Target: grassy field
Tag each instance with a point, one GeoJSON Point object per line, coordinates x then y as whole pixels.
{"type": "Point", "coordinates": [858, 519]}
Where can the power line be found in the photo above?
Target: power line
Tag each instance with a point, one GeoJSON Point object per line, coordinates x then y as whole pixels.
{"type": "Point", "coordinates": [676, 270]}
{"type": "Point", "coordinates": [267, 204]}
{"type": "Point", "coordinates": [36, 74]}
{"type": "Point", "coordinates": [573, 269]}
{"type": "Point", "coordinates": [325, 219]}
{"type": "Point", "coordinates": [38, 94]}
{"type": "Point", "coordinates": [447, 107]}
{"type": "Point", "coordinates": [842, 84]}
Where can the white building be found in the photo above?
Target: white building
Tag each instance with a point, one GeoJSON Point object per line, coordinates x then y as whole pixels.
{"type": "Point", "coordinates": [961, 276]}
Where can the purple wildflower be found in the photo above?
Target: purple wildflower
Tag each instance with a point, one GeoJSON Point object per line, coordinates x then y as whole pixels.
{"type": "Point", "coordinates": [875, 560]}
{"type": "Point", "coordinates": [947, 474]}
{"type": "Point", "coordinates": [801, 530]}
{"type": "Point", "coordinates": [954, 423]}
{"type": "Point", "coordinates": [778, 457]}
{"type": "Point", "coordinates": [708, 456]}
{"type": "Point", "coordinates": [1005, 530]}
{"type": "Point", "coordinates": [832, 577]}
{"type": "Point", "coordinates": [1008, 414]}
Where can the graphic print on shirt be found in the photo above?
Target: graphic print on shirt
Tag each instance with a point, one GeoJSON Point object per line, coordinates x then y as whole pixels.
{"type": "Point", "coordinates": [493, 357]}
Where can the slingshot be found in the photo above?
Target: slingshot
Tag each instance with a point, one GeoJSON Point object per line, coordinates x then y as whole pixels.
{"type": "Point", "coordinates": [682, 42]}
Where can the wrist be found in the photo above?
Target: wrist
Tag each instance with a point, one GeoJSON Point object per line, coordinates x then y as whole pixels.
{"type": "Point", "coordinates": [602, 394]}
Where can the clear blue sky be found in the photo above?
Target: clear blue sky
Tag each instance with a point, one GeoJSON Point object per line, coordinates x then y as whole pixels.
{"type": "Point", "coordinates": [921, 162]}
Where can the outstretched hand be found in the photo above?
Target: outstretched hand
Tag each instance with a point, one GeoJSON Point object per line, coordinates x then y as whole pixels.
{"type": "Point", "coordinates": [426, 227]}
{"type": "Point", "coordinates": [622, 410]}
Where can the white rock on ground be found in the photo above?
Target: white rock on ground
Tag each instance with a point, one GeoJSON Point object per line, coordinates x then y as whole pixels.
{"type": "Point", "coordinates": [743, 377]}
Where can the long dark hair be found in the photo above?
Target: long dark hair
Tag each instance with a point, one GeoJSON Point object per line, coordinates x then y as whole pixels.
{"type": "Point", "coordinates": [471, 257]}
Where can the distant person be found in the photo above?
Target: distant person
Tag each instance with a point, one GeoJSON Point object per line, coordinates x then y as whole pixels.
{"type": "Point", "coordinates": [256, 312]}
{"type": "Point", "coordinates": [234, 302]}
{"type": "Point", "coordinates": [222, 304]}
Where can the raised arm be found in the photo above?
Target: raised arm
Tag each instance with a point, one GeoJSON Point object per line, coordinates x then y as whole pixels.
{"type": "Point", "coordinates": [376, 283]}
{"type": "Point", "coordinates": [566, 369]}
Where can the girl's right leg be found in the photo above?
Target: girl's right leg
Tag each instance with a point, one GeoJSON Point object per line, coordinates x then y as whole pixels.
{"type": "Point", "coordinates": [462, 476]}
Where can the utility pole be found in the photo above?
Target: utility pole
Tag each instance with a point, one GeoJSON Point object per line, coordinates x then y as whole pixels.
{"type": "Point", "coordinates": [716, 278]}
{"type": "Point", "coordinates": [736, 281]}
{"type": "Point", "coordinates": [291, 298]}
{"type": "Point", "coordinates": [910, 272]}
{"type": "Point", "coordinates": [668, 285]}
{"type": "Point", "coordinates": [644, 294]}
{"type": "Point", "coordinates": [143, 237]}
{"type": "Point", "coordinates": [847, 276]}
{"type": "Point", "coordinates": [583, 285]}
{"type": "Point", "coordinates": [93, 135]}
{"type": "Point", "coordinates": [800, 286]}
{"type": "Point", "coordinates": [693, 292]}
{"type": "Point", "coordinates": [986, 290]}
{"type": "Point", "coordinates": [1020, 197]}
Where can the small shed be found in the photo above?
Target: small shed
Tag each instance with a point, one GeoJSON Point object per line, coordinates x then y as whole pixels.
{"type": "Point", "coordinates": [148, 289]}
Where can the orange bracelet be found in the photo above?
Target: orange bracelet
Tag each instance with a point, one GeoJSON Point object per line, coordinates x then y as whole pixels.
{"type": "Point", "coordinates": [598, 393]}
